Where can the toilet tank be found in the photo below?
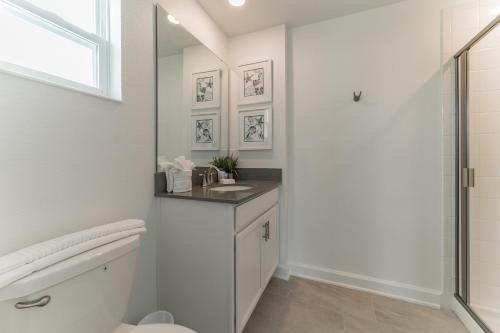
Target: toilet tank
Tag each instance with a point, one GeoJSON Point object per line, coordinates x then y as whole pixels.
{"type": "Point", "coordinates": [88, 293]}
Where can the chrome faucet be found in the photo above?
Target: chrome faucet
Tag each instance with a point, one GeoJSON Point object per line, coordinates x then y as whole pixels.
{"type": "Point", "coordinates": [204, 182]}
{"type": "Point", "coordinates": [210, 179]}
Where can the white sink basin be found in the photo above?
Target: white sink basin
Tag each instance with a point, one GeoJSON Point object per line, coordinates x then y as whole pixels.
{"type": "Point", "coordinates": [230, 188]}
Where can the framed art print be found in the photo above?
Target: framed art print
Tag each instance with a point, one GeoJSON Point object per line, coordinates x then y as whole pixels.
{"type": "Point", "coordinates": [206, 90]}
{"type": "Point", "coordinates": [256, 83]}
{"type": "Point", "coordinates": [256, 128]}
{"type": "Point", "coordinates": [205, 131]}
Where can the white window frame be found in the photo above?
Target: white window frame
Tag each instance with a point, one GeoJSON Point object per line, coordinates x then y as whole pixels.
{"type": "Point", "coordinates": [99, 42]}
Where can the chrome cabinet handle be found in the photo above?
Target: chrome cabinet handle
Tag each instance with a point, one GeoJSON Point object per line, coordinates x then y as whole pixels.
{"type": "Point", "coordinates": [38, 303]}
{"type": "Point", "coordinates": [266, 231]}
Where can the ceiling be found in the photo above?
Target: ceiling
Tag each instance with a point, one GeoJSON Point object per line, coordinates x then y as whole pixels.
{"type": "Point", "coordinates": [259, 14]}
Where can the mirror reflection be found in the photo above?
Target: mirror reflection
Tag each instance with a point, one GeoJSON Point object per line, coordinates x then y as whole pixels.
{"type": "Point", "coordinates": [192, 95]}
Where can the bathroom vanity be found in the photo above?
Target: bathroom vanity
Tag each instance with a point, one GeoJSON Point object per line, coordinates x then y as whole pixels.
{"type": "Point", "coordinates": [217, 253]}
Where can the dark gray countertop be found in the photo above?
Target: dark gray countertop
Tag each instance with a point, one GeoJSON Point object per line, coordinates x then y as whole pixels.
{"type": "Point", "coordinates": [199, 193]}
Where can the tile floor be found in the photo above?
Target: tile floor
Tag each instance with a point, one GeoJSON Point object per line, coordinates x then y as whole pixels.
{"type": "Point", "coordinates": [302, 306]}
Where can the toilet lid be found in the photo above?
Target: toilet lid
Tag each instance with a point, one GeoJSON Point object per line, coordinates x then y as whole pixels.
{"type": "Point", "coordinates": [162, 328]}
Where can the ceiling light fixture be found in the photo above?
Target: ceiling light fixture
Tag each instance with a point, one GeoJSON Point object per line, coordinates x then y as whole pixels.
{"type": "Point", "coordinates": [237, 3]}
{"type": "Point", "coordinates": [172, 19]}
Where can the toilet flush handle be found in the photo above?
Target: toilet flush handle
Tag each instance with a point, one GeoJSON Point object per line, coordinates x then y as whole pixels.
{"type": "Point", "coordinates": [41, 302]}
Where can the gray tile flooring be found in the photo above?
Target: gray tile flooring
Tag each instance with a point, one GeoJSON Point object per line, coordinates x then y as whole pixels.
{"type": "Point", "coordinates": [302, 306]}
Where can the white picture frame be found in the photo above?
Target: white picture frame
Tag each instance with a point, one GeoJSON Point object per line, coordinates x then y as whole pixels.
{"type": "Point", "coordinates": [255, 83]}
{"type": "Point", "coordinates": [206, 90]}
{"type": "Point", "coordinates": [205, 131]}
{"type": "Point", "coordinates": [256, 128]}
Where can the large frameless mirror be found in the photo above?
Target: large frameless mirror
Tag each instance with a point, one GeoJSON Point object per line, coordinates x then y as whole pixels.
{"type": "Point", "coordinates": [192, 95]}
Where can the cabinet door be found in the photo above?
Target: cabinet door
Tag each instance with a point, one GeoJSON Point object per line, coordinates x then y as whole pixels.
{"type": "Point", "coordinates": [248, 288]}
{"type": "Point", "coordinates": [269, 247]}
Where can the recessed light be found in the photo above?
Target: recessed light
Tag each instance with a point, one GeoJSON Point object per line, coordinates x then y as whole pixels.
{"type": "Point", "coordinates": [172, 19]}
{"type": "Point", "coordinates": [237, 3]}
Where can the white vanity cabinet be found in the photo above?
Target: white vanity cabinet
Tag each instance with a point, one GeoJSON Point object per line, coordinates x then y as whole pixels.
{"type": "Point", "coordinates": [270, 247]}
{"type": "Point", "coordinates": [215, 260]}
{"type": "Point", "coordinates": [256, 261]}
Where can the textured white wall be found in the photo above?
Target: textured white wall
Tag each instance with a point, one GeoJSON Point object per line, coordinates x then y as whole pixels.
{"type": "Point", "coordinates": [366, 177]}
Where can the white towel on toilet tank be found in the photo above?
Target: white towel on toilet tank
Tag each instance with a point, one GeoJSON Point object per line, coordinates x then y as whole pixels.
{"type": "Point", "coordinates": [24, 262]}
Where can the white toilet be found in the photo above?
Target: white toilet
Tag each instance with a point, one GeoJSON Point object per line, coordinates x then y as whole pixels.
{"type": "Point", "coordinates": [87, 293]}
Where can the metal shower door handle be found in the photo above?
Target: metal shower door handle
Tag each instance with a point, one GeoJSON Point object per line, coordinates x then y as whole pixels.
{"type": "Point", "coordinates": [468, 178]}
{"type": "Point", "coordinates": [38, 303]}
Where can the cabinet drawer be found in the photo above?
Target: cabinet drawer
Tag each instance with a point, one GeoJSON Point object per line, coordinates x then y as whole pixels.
{"type": "Point", "coordinates": [247, 213]}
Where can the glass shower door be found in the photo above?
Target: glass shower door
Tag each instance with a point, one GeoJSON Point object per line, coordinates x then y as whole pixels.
{"type": "Point", "coordinates": [478, 178]}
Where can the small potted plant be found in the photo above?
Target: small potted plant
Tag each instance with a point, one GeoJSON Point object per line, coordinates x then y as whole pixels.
{"type": "Point", "coordinates": [231, 166]}
{"type": "Point", "coordinates": [219, 163]}
{"type": "Point", "coordinates": [228, 164]}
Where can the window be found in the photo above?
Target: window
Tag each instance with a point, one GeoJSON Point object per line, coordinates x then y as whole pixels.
{"type": "Point", "coordinates": [59, 41]}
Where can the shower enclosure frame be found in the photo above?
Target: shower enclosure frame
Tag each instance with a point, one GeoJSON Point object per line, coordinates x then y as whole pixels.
{"type": "Point", "coordinates": [464, 175]}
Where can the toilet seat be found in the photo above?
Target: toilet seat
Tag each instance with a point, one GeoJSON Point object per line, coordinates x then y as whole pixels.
{"type": "Point", "coordinates": [162, 328]}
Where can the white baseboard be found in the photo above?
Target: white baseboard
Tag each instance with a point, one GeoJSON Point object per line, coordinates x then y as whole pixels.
{"type": "Point", "coordinates": [405, 292]}
{"type": "Point", "coordinates": [282, 273]}
{"type": "Point", "coordinates": [465, 317]}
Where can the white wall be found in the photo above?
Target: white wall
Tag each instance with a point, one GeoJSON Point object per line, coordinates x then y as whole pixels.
{"type": "Point", "coordinates": [269, 44]}
{"type": "Point", "coordinates": [72, 161]}
{"type": "Point", "coordinates": [366, 177]}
